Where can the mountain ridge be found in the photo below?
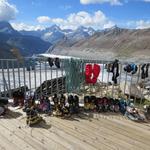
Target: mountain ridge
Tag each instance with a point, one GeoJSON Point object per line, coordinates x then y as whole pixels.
{"type": "Point", "coordinates": [109, 44]}
{"type": "Point", "coordinates": [28, 45]}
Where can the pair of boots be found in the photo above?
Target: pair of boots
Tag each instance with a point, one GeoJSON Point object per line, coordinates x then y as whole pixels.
{"type": "Point", "coordinates": [73, 102]}
{"type": "Point", "coordinates": [32, 116]}
{"type": "Point", "coordinates": [89, 102]}
{"type": "Point", "coordinates": [91, 73]}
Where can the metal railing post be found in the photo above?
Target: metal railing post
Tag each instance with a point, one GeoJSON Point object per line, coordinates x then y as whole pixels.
{"type": "Point", "coordinates": [8, 74]}
{"type": "Point", "coordinates": [4, 81]}
{"type": "Point", "coordinates": [102, 80]}
{"type": "Point", "coordinates": [46, 77]}
{"type": "Point", "coordinates": [35, 85]}
{"type": "Point", "coordinates": [24, 76]}
{"type": "Point", "coordinates": [13, 70]}
{"type": "Point", "coordinates": [40, 80]}
{"type": "Point", "coordinates": [19, 74]}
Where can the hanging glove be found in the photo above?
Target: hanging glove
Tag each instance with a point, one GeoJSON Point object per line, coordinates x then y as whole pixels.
{"type": "Point", "coordinates": [50, 61]}
{"type": "Point", "coordinates": [57, 62]}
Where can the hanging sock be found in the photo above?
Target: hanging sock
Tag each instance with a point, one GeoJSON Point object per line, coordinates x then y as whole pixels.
{"type": "Point", "coordinates": [57, 62]}
{"type": "Point", "coordinates": [50, 61]}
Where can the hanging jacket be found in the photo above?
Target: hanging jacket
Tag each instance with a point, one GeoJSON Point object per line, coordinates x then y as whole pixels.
{"type": "Point", "coordinates": [91, 73]}
{"type": "Point", "coordinates": [115, 71]}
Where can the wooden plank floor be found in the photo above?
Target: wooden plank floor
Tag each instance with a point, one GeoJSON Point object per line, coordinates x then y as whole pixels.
{"type": "Point", "coordinates": [82, 132]}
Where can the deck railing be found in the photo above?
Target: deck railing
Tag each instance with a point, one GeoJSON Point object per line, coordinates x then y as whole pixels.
{"type": "Point", "coordinates": [36, 75]}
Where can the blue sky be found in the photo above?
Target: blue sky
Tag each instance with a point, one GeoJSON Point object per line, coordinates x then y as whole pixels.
{"type": "Point", "coordinates": [72, 13]}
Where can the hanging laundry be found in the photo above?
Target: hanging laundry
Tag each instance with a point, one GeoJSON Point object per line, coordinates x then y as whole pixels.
{"type": "Point", "coordinates": [88, 73]}
{"type": "Point", "coordinates": [145, 69]}
{"type": "Point", "coordinates": [115, 71]}
{"type": "Point", "coordinates": [57, 62]}
{"type": "Point", "coordinates": [74, 71]}
{"type": "Point", "coordinates": [50, 61]}
{"type": "Point", "coordinates": [108, 67]}
{"type": "Point", "coordinates": [131, 68]}
{"type": "Point", "coordinates": [91, 73]}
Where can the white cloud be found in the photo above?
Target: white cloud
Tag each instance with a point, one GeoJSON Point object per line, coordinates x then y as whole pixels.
{"type": "Point", "coordinates": [43, 19]}
{"type": "Point", "coordinates": [7, 11]}
{"type": "Point", "coordinates": [146, 0]}
{"type": "Point", "coordinates": [139, 24]}
{"type": "Point", "coordinates": [98, 20]}
{"type": "Point", "coordinates": [23, 26]}
{"type": "Point", "coordinates": [112, 2]}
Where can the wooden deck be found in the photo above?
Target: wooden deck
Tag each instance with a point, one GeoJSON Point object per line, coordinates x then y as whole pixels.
{"type": "Point", "coordinates": [85, 132]}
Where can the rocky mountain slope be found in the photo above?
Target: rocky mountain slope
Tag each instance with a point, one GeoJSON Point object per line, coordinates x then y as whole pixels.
{"type": "Point", "coordinates": [28, 45]}
{"type": "Point", "coordinates": [84, 42]}
{"type": "Point", "coordinates": [109, 43]}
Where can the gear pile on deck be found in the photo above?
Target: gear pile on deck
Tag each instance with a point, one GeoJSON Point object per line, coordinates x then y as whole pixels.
{"type": "Point", "coordinates": [64, 104]}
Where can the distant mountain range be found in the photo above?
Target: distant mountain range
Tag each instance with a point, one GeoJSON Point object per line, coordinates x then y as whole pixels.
{"type": "Point", "coordinates": [115, 42]}
{"type": "Point", "coordinates": [26, 44]}
{"type": "Point", "coordinates": [82, 42]}
{"type": "Point", "coordinates": [55, 34]}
